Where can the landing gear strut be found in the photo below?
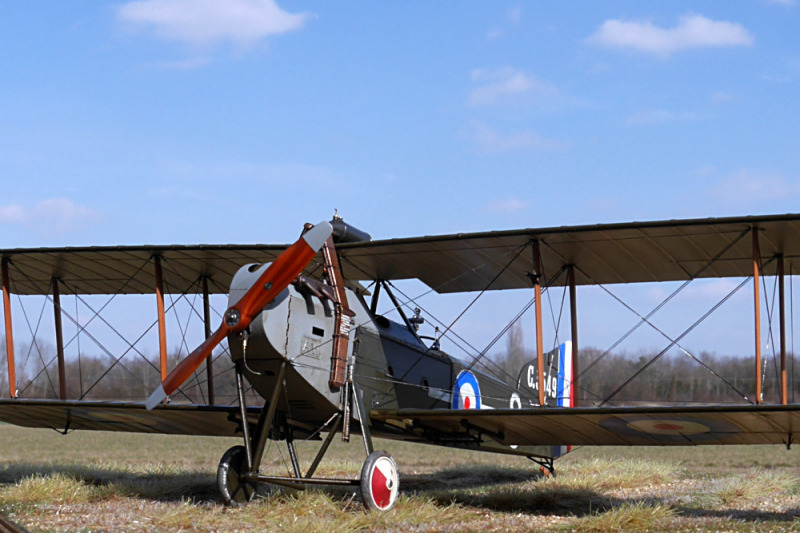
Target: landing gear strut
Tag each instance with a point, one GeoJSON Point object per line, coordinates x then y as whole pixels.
{"type": "Point", "coordinates": [546, 466]}
{"type": "Point", "coordinates": [238, 473]}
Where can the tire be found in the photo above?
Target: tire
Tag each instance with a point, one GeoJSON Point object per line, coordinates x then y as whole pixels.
{"type": "Point", "coordinates": [234, 491]}
{"type": "Point", "coordinates": [379, 482]}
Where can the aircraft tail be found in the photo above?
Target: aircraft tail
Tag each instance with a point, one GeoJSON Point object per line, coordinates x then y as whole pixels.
{"type": "Point", "coordinates": [565, 392]}
{"type": "Point", "coordinates": [558, 389]}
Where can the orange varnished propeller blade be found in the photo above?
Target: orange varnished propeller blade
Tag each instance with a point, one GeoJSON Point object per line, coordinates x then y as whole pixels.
{"type": "Point", "coordinates": [275, 278]}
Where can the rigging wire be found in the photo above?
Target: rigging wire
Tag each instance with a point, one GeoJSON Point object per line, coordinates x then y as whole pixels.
{"type": "Point", "coordinates": [674, 342]}
{"type": "Point", "coordinates": [96, 314]}
{"type": "Point", "coordinates": [497, 371]}
{"type": "Point", "coordinates": [511, 323]}
{"type": "Point", "coordinates": [685, 284]}
{"type": "Point", "coordinates": [770, 310]}
{"type": "Point", "coordinates": [35, 344]}
{"type": "Point", "coordinates": [481, 293]}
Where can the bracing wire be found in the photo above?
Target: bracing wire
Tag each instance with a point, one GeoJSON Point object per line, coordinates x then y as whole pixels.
{"type": "Point", "coordinates": [674, 342]}
{"type": "Point", "coordinates": [672, 295]}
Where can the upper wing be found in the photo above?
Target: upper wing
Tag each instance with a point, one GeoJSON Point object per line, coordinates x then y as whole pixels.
{"type": "Point", "coordinates": [596, 426]}
{"type": "Point", "coordinates": [609, 253]}
{"type": "Point", "coordinates": [127, 269]}
{"type": "Point", "coordinates": [217, 421]}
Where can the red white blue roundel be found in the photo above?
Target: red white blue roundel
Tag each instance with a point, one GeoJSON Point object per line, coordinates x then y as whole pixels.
{"type": "Point", "coordinates": [467, 392]}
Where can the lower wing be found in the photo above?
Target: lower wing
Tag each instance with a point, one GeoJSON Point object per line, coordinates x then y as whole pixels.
{"type": "Point", "coordinates": [605, 426]}
{"type": "Point", "coordinates": [211, 420]}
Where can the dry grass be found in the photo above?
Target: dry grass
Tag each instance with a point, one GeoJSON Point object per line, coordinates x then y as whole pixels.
{"type": "Point", "coordinates": [626, 517]}
{"type": "Point", "coordinates": [118, 482]}
{"type": "Point", "coordinates": [745, 489]}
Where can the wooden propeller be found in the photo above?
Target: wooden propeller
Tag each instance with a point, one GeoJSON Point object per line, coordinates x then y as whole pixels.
{"type": "Point", "coordinates": [275, 279]}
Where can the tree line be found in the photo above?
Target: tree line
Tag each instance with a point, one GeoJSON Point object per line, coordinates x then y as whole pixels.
{"type": "Point", "coordinates": [673, 377]}
{"type": "Point", "coordinates": [101, 377]}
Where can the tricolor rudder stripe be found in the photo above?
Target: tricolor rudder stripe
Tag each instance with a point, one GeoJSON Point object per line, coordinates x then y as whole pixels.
{"type": "Point", "coordinates": [564, 390]}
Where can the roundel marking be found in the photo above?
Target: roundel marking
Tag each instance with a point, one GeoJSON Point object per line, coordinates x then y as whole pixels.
{"type": "Point", "coordinates": [673, 429]}
{"type": "Point", "coordinates": [668, 427]}
{"type": "Point", "coordinates": [467, 392]}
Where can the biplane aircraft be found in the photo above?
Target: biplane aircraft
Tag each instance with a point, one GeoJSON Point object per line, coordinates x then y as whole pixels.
{"type": "Point", "coordinates": [304, 330]}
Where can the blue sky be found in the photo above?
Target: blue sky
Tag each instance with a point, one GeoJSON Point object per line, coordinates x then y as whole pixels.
{"type": "Point", "coordinates": [203, 121]}
{"type": "Point", "coordinates": [185, 121]}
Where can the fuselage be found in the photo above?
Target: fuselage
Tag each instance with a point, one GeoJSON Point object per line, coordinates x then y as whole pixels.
{"type": "Point", "coordinates": [393, 367]}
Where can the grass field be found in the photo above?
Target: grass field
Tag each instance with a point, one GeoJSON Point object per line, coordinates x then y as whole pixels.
{"type": "Point", "coordinates": [94, 481]}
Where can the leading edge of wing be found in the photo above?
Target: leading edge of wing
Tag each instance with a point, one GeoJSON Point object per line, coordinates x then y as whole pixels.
{"type": "Point", "coordinates": [63, 416]}
{"type": "Point", "coordinates": [608, 426]}
{"type": "Point", "coordinates": [635, 252]}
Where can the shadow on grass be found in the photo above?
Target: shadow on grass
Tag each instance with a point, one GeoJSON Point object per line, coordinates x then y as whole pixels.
{"type": "Point", "coordinates": [499, 489]}
{"type": "Point", "coordinates": [506, 489]}
{"type": "Point", "coordinates": [161, 486]}
{"type": "Point", "coordinates": [743, 515]}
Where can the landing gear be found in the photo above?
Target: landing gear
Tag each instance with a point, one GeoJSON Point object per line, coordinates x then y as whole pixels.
{"type": "Point", "coordinates": [379, 482]}
{"type": "Point", "coordinates": [234, 490]}
{"type": "Point", "coordinates": [238, 474]}
{"type": "Point", "coordinates": [546, 466]}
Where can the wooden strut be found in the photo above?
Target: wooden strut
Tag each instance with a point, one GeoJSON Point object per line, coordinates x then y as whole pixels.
{"type": "Point", "coordinates": [162, 325]}
{"type": "Point", "coordinates": [62, 376]}
{"type": "Point", "coordinates": [573, 312]}
{"type": "Point", "coordinates": [782, 319]}
{"type": "Point", "coordinates": [12, 379]}
{"type": "Point", "coordinates": [757, 311]}
{"type": "Point", "coordinates": [537, 288]}
{"type": "Point", "coordinates": [207, 327]}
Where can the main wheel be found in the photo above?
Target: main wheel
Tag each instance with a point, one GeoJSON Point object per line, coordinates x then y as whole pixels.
{"type": "Point", "coordinates": [234, 490]}
{"type": "Point", "coordinates": [379, 482]}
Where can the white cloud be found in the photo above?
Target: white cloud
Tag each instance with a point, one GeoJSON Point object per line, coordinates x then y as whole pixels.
{"type": "Point", "coordinates": [209, 22]}
{"type": "Point", "coordinates": [514, 15]}
{"type": "Point", "coordinates": [505, 85]}
{"type": "Point", "coordinates": [657, 116]}
{"type": "Point", "coordinates": [747, 186]}
{"type": "Point", "coordinates": [492, 140]}
{"type": "Point", "coordinates": [722, 98]}
{"type": "Point", "coordinates": [184, 64]}
{"type": "Point", "coordinates": [54, 215]}
{"type": "Point", "coordinates": [506, 205]}
{"type": "Point", "coordinates": [495, 32]}
{"type": "Point", "coordinates": [12, 213]}
{"type": "Point", "coordinates": [692, 31]}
